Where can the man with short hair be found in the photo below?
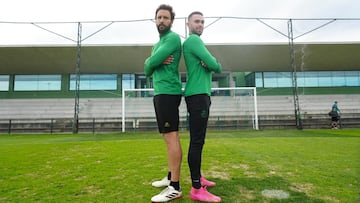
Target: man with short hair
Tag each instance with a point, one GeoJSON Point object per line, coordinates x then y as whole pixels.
{"type": "Point", "coordinates": [199, 65]}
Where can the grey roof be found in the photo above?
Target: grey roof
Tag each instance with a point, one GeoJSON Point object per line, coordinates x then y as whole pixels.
{"type": "Point", "coordinates": [130, 58]}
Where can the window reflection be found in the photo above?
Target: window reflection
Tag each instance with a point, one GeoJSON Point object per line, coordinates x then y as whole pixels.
{"type": "Point", "coordinates": [308, 79]}
{"type": "Point", "coordinates": [95, 82]}
{"type": "Point", "coordinates": [4, 82]}
{"type": "Point", "coordinates": [37, 82]}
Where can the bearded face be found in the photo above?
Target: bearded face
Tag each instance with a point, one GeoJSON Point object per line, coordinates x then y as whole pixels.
{"type": "Point", "coordinates": [162, 28]}
{"type": "Point", "coordinates": [163, 21]}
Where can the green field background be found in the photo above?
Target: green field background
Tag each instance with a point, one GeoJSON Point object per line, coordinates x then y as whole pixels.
{"type": "Point", "coordinates": [309, 165]}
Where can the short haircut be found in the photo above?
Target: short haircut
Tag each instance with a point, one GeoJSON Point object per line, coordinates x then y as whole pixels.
{"type": "Point", "coordinates": [194, 13]}
{"type": "Point", "coordinates": [168, 8]}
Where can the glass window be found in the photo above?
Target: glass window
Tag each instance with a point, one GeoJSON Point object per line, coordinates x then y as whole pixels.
{"type": "Point", "coordinates": [94, 82]}
{"type": "Point", "coordinates": [259, 80]}
{"type": "Point", "coordinates": [352, 78]}
{"type": "Point", "coordinates": [311, 79]}
{"type": "Point", "coordinates": [338, 78]}
{"type": "Point", "coordinates": [308, 79]}
{"type": "Point", "coordinates": [37, 82]}
{"type": "Point", "coordinates": [325, 79]}
{"type": "Point", "coordinates": [300, 79]}
{"type": "Point", "coordinates": [284, 79]}
{"type": "Point", "coordinates": [270, 79]}
{"type": "Point", "coordinates": [4, 82]}
{"type": "Point", "coordinates": [128, 81]}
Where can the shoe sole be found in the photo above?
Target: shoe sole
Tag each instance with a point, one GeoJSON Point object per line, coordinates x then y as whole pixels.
{"type": "Point", "coordinates": [196, 199]}
{"type": "Point", "coordinates": [169, 200]}
{"type": "Point", "coordinates": [160, 186]}
{"type": "Point", "coordinates": [193, 199]}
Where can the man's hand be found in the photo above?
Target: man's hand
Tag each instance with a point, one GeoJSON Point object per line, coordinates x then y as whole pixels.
{"type": "Point", "coordinates": [169, 60]}
{"type": "Point", "coordinates": [203, 64]}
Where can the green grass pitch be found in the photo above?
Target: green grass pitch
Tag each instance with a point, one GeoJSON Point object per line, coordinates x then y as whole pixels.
{"type": "Point", "coordinates": [248, 166]}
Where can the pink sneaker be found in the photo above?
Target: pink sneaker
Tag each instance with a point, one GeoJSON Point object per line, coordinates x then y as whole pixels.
{"type": "Point", "coordinates": [203, 195]}
{"type": "Point", "coordinates": [207, 183]}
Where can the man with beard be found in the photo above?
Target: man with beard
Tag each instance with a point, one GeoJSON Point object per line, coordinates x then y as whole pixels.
{"type": "Point", "coordinates": [199, 65]}
{"type": "Point", "coordinates": [163, 65]}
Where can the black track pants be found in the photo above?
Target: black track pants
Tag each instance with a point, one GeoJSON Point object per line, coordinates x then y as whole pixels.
{"type": "Point", "coordinates": [198, 108]}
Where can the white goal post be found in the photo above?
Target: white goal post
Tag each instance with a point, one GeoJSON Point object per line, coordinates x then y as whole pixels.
{"type": "Point", "coordinates": [231, 107]}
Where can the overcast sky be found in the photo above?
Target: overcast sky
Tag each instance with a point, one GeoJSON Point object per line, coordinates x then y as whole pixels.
{"type": "Point", "coordinates": [16, 16]}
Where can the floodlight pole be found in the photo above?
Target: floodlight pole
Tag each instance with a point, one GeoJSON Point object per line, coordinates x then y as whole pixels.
{"type": "Point", "coordinates": [298, 118]}
{"type": "Point", "coordinates": [75, 127]}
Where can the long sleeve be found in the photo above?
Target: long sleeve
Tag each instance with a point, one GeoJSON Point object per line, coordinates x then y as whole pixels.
{"type": "Point", "coordinates": [198, 49]}
{"type": "Point", "coordinates": [160, 53]}
{"type": "Point", "coordinates": [165, 77]}
{"type": "Point", "coordinates": [199, 78]}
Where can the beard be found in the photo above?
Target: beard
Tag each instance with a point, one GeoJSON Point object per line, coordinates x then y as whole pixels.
{"type": "Point", "coordinates": [196, 31]}
{"type": "Point", "coordinates": [163, 28]}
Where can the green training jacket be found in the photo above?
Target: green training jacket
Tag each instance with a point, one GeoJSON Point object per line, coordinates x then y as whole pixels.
{"type": "Point", "coordinates": [198, 77]}
{"type": "Point", "coordinates": [166, 78]}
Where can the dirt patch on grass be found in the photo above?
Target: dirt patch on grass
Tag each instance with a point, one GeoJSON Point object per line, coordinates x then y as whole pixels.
{"type": "Point", "coordinates": [276, 194]}
{"type": "Point", "coordinates": [302, 187]}
{"type": "Point", "coordinates": [80, 178]}
{"type": "Point", "coordinates": [245, 167]}
{"type": "Point", "coordinates": [330, 199]}
{"type": "Point", "coordinates": [91, 189]}
{"type": "Point", "coordinates": [251, 174]}
{"type": "Point", "coordinates": [219, 172]}
{"type": "Point", "coordinates": [246, 194]}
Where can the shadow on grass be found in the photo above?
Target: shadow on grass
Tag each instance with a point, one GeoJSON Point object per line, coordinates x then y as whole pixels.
{"type": "Point", "coordinates": [250, 190]}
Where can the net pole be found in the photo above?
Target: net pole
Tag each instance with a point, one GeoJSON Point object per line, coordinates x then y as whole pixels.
{"type": "Point", "coordinates": [75, 127]}
{"type": "Point", "coordinates": [123, 111]}
{"type": "Point", "coordinates": [255, 110]}
{"type": "Point", "coordinates": [298, 118]}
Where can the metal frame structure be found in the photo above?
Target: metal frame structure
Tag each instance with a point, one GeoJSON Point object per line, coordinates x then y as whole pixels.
{"type": "Point", "coordinates": [294, 76]}
{"type": "Point", "coordinates": [75, 127]}
{"type": "Point", "coordinates": [255, 118]}
{"type": "Point", "coordinates": [289, 36]}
